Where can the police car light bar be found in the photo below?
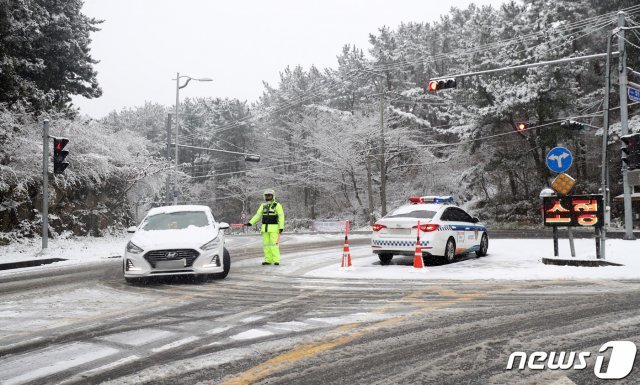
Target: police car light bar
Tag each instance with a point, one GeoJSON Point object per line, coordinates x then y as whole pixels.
{"type": "Point", "coordinates": [431, 199]}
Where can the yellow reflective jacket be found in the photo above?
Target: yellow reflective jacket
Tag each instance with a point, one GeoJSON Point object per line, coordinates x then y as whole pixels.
{"type": "Point", "coordinates": [272, 217]}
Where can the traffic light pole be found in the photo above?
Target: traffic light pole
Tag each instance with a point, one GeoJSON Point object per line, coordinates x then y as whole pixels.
{"type": "Point", "coordinates": [45, 186]}
{"type": "Point", "coordinates": [624, 126]}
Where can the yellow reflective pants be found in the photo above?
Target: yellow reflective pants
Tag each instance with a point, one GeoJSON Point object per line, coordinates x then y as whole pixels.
{"type": "Point", "coordinates": [270, 247]}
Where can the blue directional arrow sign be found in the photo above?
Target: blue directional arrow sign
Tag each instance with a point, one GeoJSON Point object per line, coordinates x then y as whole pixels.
{"type": "Point", "coordinates": [559, 159]}
{"type": "Point", "coordinates": [634, 94]}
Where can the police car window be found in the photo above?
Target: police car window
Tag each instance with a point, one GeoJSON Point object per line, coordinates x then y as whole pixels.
{"type": "Point", "coordinates": [447, 215]}
{"type": "Point", "coordinates": [422, 214]}
{"type": "Point", "coordinates": [459, 215]}
{"type": "Point", "coordinates": [464, 217]}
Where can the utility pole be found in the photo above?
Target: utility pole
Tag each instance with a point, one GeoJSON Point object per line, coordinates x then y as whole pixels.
{"type": "Point", "coordinates": [605, 142]}
{"type": "Point", "coordinates": [624, 126]}
{"type": "Point", "coordinates": [175, 172]}
{"type": "Point", "coordinates": [370, 191]}
{"type": "Point", "coordinates": [167, 200]}
{"type": "Point", "coordinates": [45, 186]}
{"type": "Point", "coordinates": [383, 162]}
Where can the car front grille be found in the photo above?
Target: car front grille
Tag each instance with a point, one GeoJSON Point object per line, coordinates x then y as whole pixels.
{"type": "Point", "coordinates": [155, 256]}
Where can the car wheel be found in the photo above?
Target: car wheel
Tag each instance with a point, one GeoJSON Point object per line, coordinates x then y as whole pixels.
{"type": "Point", "coordinates": [450, 251]}
{"type": "Point", "coordinates": [385, 259]}
{"type": "Point", "coordinates": [484, 246]}
{"type": "Point", "coordinates": [226, 261]}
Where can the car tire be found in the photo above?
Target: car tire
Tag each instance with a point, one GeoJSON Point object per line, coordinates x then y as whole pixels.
{"type": "Point", "coordinates": [385, 259]}
{"type": "Point", "coordinates": [226, 261]}
{"type": "Point", "coordinates": [484, 245]}
{"type": "Point", "coordinates": [449, 251]}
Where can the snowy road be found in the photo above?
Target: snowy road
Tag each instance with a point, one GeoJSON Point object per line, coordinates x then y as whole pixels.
{"type": "Point", "coordinates": [305, 322]}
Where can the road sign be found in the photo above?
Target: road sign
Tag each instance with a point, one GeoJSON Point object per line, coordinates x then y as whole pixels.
{"type": "Point", "coordinates": [574, 211]}
{"type": "Point", "coordinates": [563, 184]}
{"type": "Point", "coordinates": [634, 94]}
{"type": "Point", "coordinates": [559, 159]}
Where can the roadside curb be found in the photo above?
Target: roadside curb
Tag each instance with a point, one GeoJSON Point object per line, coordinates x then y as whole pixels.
{"type": "Point", "coordinates": [578, 262]}
{"type": "Point", "coordinates": [29, 263]}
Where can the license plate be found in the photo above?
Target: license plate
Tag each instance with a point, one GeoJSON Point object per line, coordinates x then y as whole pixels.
{"type": "Point", "coordinates": [399, 231]}
{"type": "Point", "coordinates": [174, 264]}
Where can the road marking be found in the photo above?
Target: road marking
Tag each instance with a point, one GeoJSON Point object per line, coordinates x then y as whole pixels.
{"type": "Point", "coordinates": [31, 366]}
{"type": "Point", "coordinates": [175, 344]}
{"type": "Point", "coordinates": [251, 334]}
{"type": "Point", "coordinates": [72, 321]}
{"type": "Point", "coordinates": [284, 360]}
{"type": "Point", "coordinates": [83, 376]}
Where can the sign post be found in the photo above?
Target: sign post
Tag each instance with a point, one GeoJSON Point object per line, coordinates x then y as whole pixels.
{"type": "Point", "coordinates": [559, 160]}
{"type": "Point", "coordinates": [575, 211]}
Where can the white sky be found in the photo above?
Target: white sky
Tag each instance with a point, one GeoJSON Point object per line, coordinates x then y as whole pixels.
{"type": "Point", "coordinates": [238, 43]}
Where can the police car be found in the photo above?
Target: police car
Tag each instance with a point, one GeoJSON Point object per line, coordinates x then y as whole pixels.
{"type": "Point", "coordinates": [445, 231]}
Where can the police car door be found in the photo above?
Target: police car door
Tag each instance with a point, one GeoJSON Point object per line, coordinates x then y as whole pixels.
{"type": "Point", "coordinates": [470, 229]}
{"type": "Point", "coordinates": [455, 227]}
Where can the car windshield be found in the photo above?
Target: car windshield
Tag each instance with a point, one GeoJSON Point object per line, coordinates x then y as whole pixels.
{"type": "Point", "coordinates": [175, 221]}
{"type": "Point", "coordinates": [403, 213]}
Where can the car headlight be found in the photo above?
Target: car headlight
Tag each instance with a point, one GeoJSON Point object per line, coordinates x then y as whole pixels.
{"type": "Point", "coordinates": [212, 244]}
{"type": "Point", "coordinates": [133, 248]}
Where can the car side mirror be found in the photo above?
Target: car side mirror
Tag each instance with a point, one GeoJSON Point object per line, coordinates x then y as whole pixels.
{"type": "Point", "coordinates": [131, 229]}
{"type": "Point", "coordinates": [475, 220]}
{"type": "Point", "coordinates": [223, 225]}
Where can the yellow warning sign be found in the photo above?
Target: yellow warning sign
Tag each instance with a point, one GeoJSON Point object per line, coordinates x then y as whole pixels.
{"type": "Point", "coordinates": [563, 184]}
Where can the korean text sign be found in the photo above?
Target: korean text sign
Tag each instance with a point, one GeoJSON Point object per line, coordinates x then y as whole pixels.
{"type": "Point", "coordinates": [574, 211]}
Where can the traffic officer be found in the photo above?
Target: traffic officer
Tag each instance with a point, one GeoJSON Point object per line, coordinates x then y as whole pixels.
{"type": "Point", "coordinates": [272, 225]}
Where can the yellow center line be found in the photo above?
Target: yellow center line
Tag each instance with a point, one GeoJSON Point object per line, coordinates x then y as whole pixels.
{"type": "Point", "coordinates": [290, 357]}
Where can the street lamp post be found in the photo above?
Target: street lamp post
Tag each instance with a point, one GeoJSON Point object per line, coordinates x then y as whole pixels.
{"type": "Point", "coordinates": [178, 87]}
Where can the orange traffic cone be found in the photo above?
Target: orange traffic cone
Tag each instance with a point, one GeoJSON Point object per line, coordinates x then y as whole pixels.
{"type": "Point", "coordinates": [417, 257]}
{"type": "Point", "coordinates": [346, 254]}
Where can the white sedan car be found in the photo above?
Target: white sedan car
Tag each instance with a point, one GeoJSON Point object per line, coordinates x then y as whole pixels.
{"type": "Point", "coordinates": [177, 240]}
{"type": "Point", "coordinates": [445, 231]}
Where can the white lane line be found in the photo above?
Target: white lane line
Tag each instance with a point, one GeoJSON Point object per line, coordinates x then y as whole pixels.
{"type": "Point", "coordinates": [138, 337]}
{"type": "Point", "coordinates": [31, 366]}
{"type": "Point", "coordinates": [251, 334]}
{"type": "Point", "coordinates": [218, 330]}
{"type": "Point", "coordinates": [101, 369]}
{"type": "Point", "coordinates": [290, 326]}
{"type": "Point", "coordinates": [175, 344]}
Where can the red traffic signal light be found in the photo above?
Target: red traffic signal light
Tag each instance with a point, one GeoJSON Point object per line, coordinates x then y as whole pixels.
{"type": "Point", "coordinates": [59, 154]}
{"type": "Point", "coordinates": [442, 84]}
{"type": "Point", "coordinates": [521, 126]}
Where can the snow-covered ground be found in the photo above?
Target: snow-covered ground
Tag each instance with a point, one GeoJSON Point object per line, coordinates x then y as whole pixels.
{"type": "Point", "coordinates": [514, 259]}
{"type": "Point", "coordinates": [89, 249]}
{"type": "Point", "coordinates": [508, 259]}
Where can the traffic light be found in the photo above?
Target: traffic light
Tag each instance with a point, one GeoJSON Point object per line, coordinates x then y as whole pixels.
{"type": "Point", "coordinates": [572, 125]}
{"type": "Point", "coordinates": [442, 84]}
{"type": "Point", "coordinates": [59, 153]}
{"type": "Point", "coordinates": [521, 126]}
{"type": "Point", "coordinates": [631, 151]}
